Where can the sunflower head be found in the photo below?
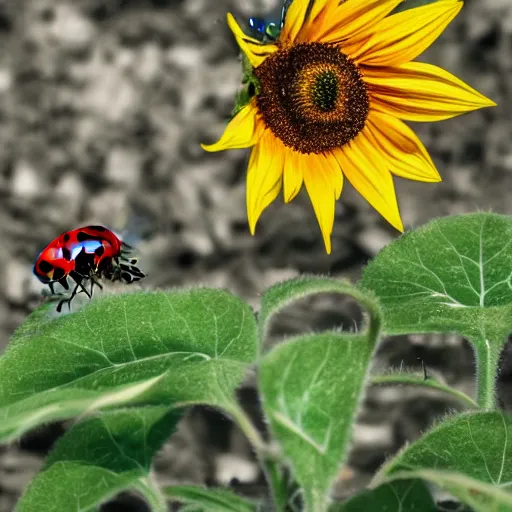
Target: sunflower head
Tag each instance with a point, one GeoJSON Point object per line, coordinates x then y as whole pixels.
{"type": "Point", "coordinates": [326, 99]}
{"type": "Point", "coordinates": [312, 97]}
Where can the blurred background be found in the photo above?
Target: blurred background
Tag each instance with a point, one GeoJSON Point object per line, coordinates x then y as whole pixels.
{"type": "Point", "coordinates": [103, 106]}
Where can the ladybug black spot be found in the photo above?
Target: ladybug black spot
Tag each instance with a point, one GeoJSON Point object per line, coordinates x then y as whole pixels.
{"type": "Point", "coordinates": [66, 253]}
{"type": "Point", "coordinates": [81, 236]}
{"type": "Point", "coordinates": [97, 228]}
{"type": "Point", "coordinates": [99, 251]}
{"type": "Point", "coordinates": [45, 266]}
{"type": "Point", "coordinates": [66, 238]}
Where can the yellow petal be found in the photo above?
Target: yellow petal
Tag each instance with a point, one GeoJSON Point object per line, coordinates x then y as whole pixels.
{"type": "Point", "coordinates": [293, 174]}
{"type": "Point", "coordinates": [353, 18]}
{"type": "Point", "coordinates": [294, 20]}
{"type": "Point", "coordinates": [323, 180]}
{"type": "Point", "coordinates": [399, 145]}
{"type": "Point", "coordinates": [421, 92]}
{"type": "Point", "coordinates": [253, 49]}
{"type": "Point", "coordinates": [364, 168]}
{"type": "Point", "coordinates": [319, 6]}
{"type": "Point", "coordinates": [319, 18]}
{"type": "Point", "coordinates": [402, 37]}
{"type": "Point", "coordinates": [241, 131]}
{"type": "Point", "coordinates": [264, 176]}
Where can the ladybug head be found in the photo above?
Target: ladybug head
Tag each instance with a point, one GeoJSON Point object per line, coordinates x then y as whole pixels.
{"type": "Point", "coordinates": [124, 271]}
{"type": "Point", "coordinates": [130, 273]}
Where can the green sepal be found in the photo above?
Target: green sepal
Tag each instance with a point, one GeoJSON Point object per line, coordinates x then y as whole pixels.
{"type": "Point", "coordinates": [250, 86]}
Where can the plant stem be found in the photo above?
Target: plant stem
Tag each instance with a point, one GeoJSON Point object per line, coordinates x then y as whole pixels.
{"type": "Point", "coordinates": [153, 495]}
{"type": "Point", "coordinates": [409, 379]}
{"type": "Point", "coordinates": [373, 313]}
{"type": "Point", "coordinates": [277, 486]}
{"type": "Point", "coordinates": [268, 457]}
{"type": "Point", "coordinates": [487, 354]}
{"type": "Point", "coordinates": [247, 427]}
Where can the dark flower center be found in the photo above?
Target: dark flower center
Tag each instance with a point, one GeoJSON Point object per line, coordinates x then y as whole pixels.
{"type": "Point", "coordinates": [325, 91]}
{"type": "Point", "coordinates": [312, 97]}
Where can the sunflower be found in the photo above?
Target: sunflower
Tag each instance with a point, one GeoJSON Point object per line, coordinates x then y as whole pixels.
{"type": "Point", "coordinates": [327, 99]}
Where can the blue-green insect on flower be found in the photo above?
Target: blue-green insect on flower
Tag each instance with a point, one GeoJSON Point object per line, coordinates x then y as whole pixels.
{"type": "Point", "coordinates": [264, 30]}
{"type": "Point", "coordinates": [267, 30]}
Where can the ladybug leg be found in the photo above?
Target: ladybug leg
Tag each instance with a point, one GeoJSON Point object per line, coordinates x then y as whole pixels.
{"type": "Point", "coordinates": [79, 280]}
{"type": "Point", "coordinates": [83, 289]}
{"type": "Point", "coordinates": [64, 283]}
{"type": "Point", "coordinates": [79, 283]}
{"type": "Point", "coordinates": [60, 304]}
{"type": "Point", "coordinates": [77, 289]}
{"type": "Point", "coordinates": [92, 286]}
{"type": "Point", "coordinates": [68, 301]}
{"type": "Point", "coordinates": [94, 281]}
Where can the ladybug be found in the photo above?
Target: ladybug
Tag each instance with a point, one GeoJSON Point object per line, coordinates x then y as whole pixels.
{"type": "Point", "coordinates": [87, 253]}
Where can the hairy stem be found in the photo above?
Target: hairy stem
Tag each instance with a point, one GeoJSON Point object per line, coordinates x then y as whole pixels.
{"type": "Point", "coordinates": [487, 356]}
{"type": "Point", "coordinates": [267, 456]}
{"type": "Point", "coordinates": [274, 475]}
{"type": "Point", "coordinates": [409, 379]}
{"type": "Point", "coordinates": [153, 495]}
{"type": "Point", "coordinates": [248, 428]}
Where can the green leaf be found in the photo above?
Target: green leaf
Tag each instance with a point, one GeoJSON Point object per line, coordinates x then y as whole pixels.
{"type": "Point", "coordinates": [451, 275]}
{"type": "Point", "coordinates": [479, 496]}
{"type": "Point", "coordinates": [100, 457]}
{"type": "Point", "coordinates": [276, 298]}
{"type": "Point", "coordinates": [312, 385]}
{"type": "Point", "coordinates": [476, 444]}
{"type": "Point", "coordinates": [468, 455]}
{"type": "Point", "coordinates": [405, 495]}
{"type": "Point", "coordinates": [411, 379]}
{"type": "Point", "coordinates": [180, 347]}
{"type": "Point", "coordinates": [209, 499]}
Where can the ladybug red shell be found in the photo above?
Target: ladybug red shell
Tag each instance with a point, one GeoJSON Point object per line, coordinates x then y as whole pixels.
{"type": "Point", "coordinates": [87, 253]}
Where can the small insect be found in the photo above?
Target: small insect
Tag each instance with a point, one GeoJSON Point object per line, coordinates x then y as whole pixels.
{"type": "Point", "coordinates": [263, 30]}
{"type": "Point", "coordinates": [87, 253]}
{"type": "Point", "coordinates": [268, 31]}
